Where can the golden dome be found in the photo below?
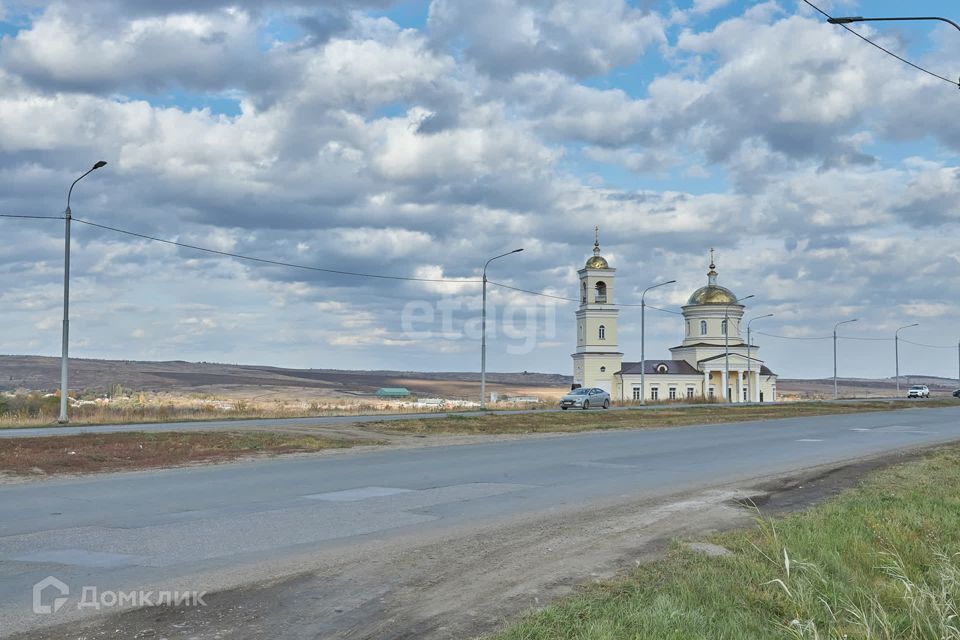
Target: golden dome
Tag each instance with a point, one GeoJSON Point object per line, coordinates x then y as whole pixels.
{"type": "Point", "coordinates": [597, 262]}
{"type": "Point", "coordinates": [712, 294]}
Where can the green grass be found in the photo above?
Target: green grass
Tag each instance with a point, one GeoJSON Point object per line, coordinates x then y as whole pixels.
{"type": "Point", "coordinates": [878, 562]}
{"type": "Point", "coordinates": [660, 416]}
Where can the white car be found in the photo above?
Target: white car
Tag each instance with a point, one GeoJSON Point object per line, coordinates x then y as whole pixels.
{"type": "Point", "coordinates": [918, 391]}
{"type": "Point", "coordinates": [585, 398]}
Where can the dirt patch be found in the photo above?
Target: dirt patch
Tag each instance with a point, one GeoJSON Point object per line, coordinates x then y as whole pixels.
{"type": "Point", "coordinates": [90, 453]}
{"type": "Point", "coordinates": [469, 582]}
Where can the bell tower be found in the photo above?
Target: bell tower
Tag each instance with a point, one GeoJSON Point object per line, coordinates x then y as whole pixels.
{"type": "Point", "coordinates": [597, 358]}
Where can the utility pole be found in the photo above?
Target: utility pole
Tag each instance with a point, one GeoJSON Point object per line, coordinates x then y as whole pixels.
{"type": "Point", "coordinates": [750, 389]}
{"type": "Point", "coordinates": [726, 347]}
{"type": "Point", "coordinates": [836, 393]}
{"type": "Point", "coordinates": [483, 331]}
{"type": "Point", "coordinates": [643, 342]}
{"type": "Point", "coordinates": [65, 339]}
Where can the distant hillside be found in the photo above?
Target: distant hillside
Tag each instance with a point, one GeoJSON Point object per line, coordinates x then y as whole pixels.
{"type": "Point", "coordinates": [39, 373]}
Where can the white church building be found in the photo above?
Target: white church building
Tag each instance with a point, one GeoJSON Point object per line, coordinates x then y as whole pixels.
{"type": "Point", "coordinates": [697, 367]}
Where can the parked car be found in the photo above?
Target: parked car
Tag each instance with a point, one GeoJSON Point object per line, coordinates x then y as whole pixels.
{"type": "Point", "coordinates": [583, 398]}
{"type": "Point", "coordinates": [918, 391]}
{"type": "Point", "coordinates": [956, 394]}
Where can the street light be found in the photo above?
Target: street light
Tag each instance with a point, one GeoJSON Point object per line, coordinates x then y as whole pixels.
{"type": "Point", "coordinates": [726, 346]}
{"type": "Point", "coordinates": [483, 331]}
{"type": "Point", "coordinates": [851, 19]}
{"type": "Point", "coordinates": [643, 358]}
{"type": "Point", "coordinates": [750, 389]}
{"type": "Point", "coordinates": [835, 392]}
{"type": "Point", "coordinates": [896, 350]}
{"type": "Point", "coordinates": [67, 214]}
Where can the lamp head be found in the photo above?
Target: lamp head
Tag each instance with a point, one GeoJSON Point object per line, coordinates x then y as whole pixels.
{"type": "Point", "coordinates": [100, 163]}
{"type": "Point", "coordinates": [846, 20]}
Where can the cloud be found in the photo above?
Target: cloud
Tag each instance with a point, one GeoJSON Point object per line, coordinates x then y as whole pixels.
{"type": "Point", "coordinates": [509, 36]}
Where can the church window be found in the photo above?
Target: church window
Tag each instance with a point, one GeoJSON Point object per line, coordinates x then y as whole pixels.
{"type": "Point", "coordinates": [703, 327]}
{"type": "Point", "coordinates": [636, 393]}
{"type": "Point", "coordinates": [723, 327]}
{"type": "Point", "coordinates": [690, 392]}
{"type": "Point", "coordinates": [712, 393]}
{"type": "Point", "coordinates": [603, 369]}
{"type": "Point", "coordinates": [601, 297]}
{"type": "Point", "coordinates": [583, 293]}
{"type": "Point", "coordinates": [672, 393]}
{"type": "Point", "coordinates": [602, 332]}
{"type": "Point", "coordinates": [661, 368]}
{"type": "Point", "coordinates": [654, 393]}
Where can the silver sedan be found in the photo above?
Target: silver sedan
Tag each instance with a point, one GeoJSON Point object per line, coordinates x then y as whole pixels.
{"type": "Point", "coordinates": [585, 398]}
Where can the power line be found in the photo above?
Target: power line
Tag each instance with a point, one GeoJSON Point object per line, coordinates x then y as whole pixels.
{"type": "Point", "coordinates": [886, 51]}
{"type": "Point", "coordinates": [930, 346]}
{"type": "Point", "coordinates": [773, 335]}
{"type": "Point", "coordinates": [278, 263]}
{"type": "Point", "coordinates": [865, 339]}
{"type": "Point", "coordinates": [10, 215]}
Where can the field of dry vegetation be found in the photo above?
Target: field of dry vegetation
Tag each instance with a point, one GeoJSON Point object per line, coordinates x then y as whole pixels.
{"type": "Point", "coordinates": [89, 453]}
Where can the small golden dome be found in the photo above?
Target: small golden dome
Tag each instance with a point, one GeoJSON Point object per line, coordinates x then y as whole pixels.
{"type": "Point", "coordinates": [597, 262]}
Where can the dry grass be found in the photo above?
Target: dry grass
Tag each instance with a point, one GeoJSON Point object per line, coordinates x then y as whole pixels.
{"type": "Point", "coordinates": [34, 411]}
{"type": "Point", "coordinates": [574, 420]}
{"type": "Point", "coordinates": [879, 562]}
{"type": "Point", "coordinates": [91, 453]}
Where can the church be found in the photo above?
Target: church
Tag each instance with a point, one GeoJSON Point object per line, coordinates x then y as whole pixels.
{"type": "Point", "coordinates": [697, 368]}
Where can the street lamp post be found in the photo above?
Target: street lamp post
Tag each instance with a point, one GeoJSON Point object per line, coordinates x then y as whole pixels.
{"type": "Point", "coordinates": [836, 394]}
{"type": "Point", "coordinates": [750, 389]}
{"type": "Point", "coordinates": [726, 347]}
{"type": "Point", "coordinates": [67, 215]}
{"type": "Point", "coordinates": [896, 351]}
{"type": "Point", "coordinates": [483, 331]}
{"type": "Point", "coordinates": [643, 358]}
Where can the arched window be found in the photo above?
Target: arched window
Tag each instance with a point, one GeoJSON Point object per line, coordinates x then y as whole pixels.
{"type": "Point", "coordinates": [703, 327]}
{"type": "Point", "coordinates": [688, 327]}
{"type": "Point", "coordinates": [601, 297]}
{"type": "Point", "coordinates": [661, 368]}
{"type": "Point", "coordinates": [603, 369]}
{"type": "Point", "coordinates": [602, 332]}
{"type": "Point", "coordinates": [583, 294]}
{"type": "Point", "coordinates": [723, 327]}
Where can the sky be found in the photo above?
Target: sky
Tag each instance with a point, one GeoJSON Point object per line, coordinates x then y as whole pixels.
{"type": "Point", "coordinates": [418, 139]}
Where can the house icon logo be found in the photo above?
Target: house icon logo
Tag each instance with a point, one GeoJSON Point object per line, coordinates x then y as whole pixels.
{"type": "Point", "coordinates": [58, 601]}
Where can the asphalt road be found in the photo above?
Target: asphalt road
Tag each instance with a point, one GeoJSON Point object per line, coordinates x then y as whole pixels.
{"type": "Point", "coordinates": [320, 421]}
{"type": "Point", "coordinates": [215, 527]}
{"type": "Point", "coordinates": [278, 423]}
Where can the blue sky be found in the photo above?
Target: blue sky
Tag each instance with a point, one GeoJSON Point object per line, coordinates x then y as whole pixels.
{"type": "Point", "coordinates": [418, 139]}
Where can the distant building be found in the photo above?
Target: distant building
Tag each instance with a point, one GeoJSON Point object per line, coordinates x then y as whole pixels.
{"type": "Point", "coordinates": [392, 392]}
{"type": "Point", "coordinates": [697, 366]}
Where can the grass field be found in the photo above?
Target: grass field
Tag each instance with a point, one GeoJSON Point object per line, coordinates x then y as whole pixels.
{"type": "Point", "coordinates": [878, 562]}
{"type": "Point", "coordinates": [88, 453]}
{"type": "Point", "coordinates": [569, 421]}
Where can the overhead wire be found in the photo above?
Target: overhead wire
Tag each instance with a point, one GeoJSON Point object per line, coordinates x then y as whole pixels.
{"type": "Point", "coordinates": [955, 83]}
{"type": "Point", "coordinates": [11, 215]}
{"type": "Point", "coordinates": [930, 346]}
{"type": "Point", "coordinates": [279, 263]}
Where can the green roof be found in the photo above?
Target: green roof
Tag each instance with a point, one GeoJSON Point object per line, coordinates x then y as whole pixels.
{"type": "Point", "coordinates": [393, 391]}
